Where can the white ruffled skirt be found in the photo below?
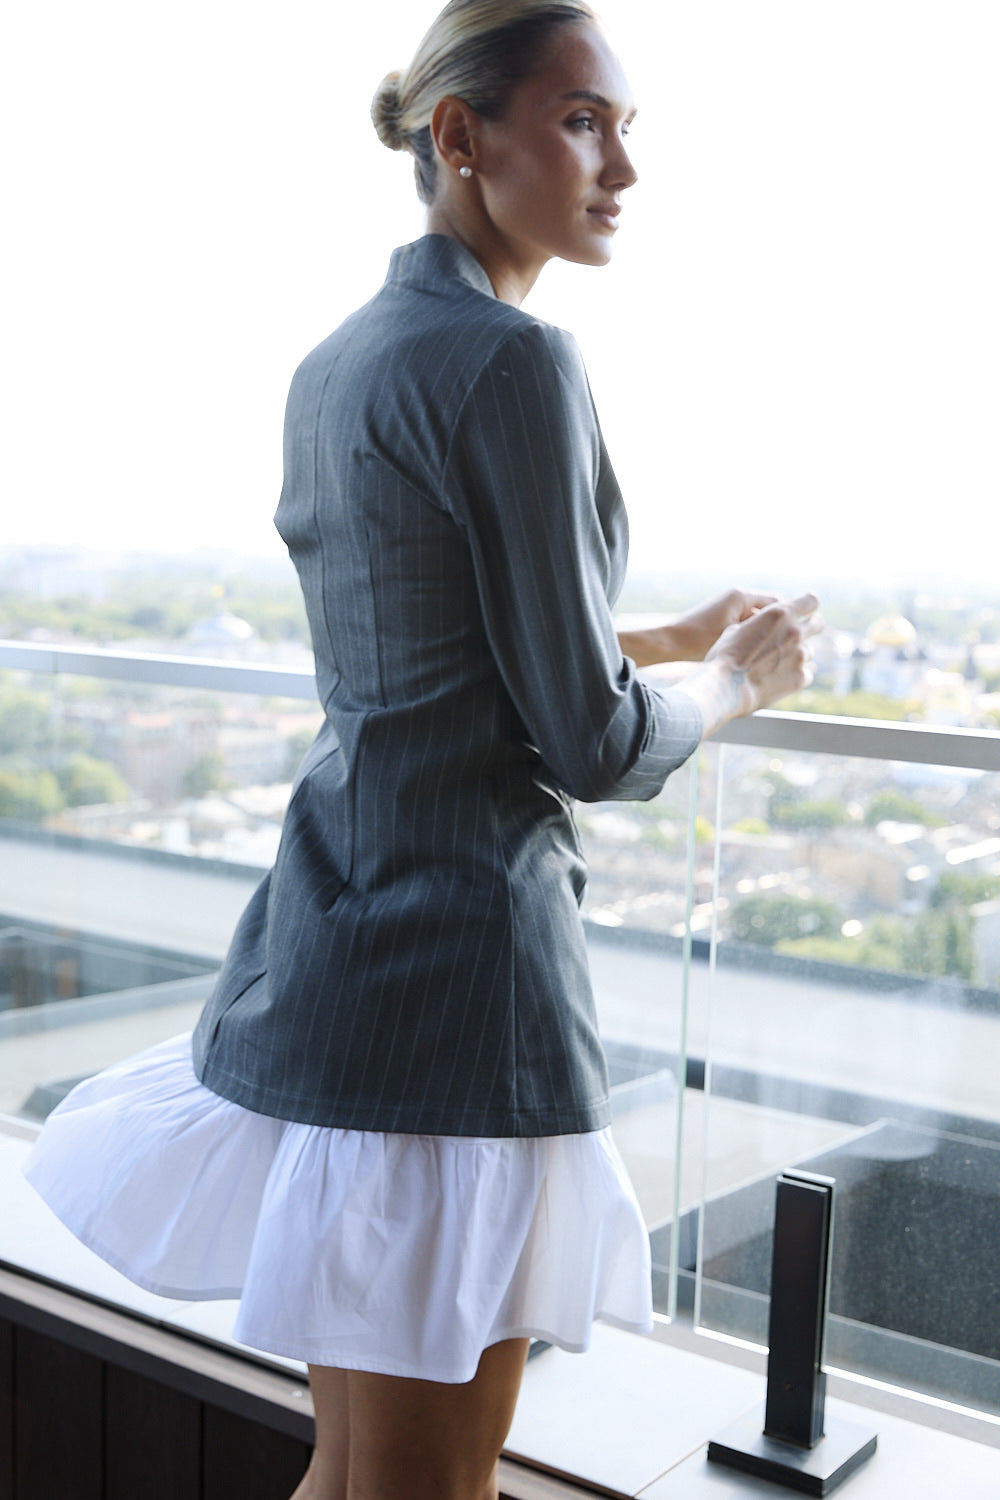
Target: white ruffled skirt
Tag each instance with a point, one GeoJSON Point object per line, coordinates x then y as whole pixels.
{"type": "Point", "coordinates": [399, 1254]}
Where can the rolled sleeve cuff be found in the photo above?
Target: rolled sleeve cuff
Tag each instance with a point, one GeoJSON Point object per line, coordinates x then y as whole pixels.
{"type": "Point", "coordinates": [673, 733]}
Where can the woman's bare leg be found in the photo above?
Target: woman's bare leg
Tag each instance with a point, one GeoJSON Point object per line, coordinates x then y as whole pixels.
{"type": "Point", "coordinates": [426, 1440]}
{"type": "Point", "coordinates": [326, 1476]}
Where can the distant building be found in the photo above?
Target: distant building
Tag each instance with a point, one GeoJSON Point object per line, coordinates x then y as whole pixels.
{"type": "Point", "coordinates": [152, 748]}
{"type": "Point", "coordinates": [889, 660]}
{"type": "Point", "coordinates": [949, 698]}
{"type": "Point", "coordinates": [222, 635]}
{"type": "Point", "coordinates": [53, 572]}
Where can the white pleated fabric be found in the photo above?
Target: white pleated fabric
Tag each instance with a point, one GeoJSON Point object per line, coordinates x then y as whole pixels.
{"type": "Point", "coordinates": [399, 1254]}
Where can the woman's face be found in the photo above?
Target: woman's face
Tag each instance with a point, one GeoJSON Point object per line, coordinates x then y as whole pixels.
{"type": "Point", "coordinates": [551, 172]}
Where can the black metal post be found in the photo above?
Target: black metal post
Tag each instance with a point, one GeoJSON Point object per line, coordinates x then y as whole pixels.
{"type": "Point", "coordinates": [800, 1266]}
{"type": "Point", "coordinates": [797, 1447]}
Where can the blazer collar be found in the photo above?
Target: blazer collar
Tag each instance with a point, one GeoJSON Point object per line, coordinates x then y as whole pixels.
{"type": "Point", "coordinates": [435, 258]}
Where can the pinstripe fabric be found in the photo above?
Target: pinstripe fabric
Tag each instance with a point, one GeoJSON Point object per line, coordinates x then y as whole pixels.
{"type": "Point", "coordinates": [415, 961]}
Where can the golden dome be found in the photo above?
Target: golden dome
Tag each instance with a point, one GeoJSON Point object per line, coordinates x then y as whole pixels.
{"type": "Point", "coordinates": [892, 630]}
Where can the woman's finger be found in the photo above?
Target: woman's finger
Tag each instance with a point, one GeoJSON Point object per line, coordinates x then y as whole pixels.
{"type": "Point", "coordinates": [752, 602]}
{"type": "Point", "coordinates": [804, 605]}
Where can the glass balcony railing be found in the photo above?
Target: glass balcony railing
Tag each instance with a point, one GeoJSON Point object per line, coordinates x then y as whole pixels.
{"type": "Point", "coordinates": [795, 949]}
{"type": "Point", "coordinates": [140, 802]}
{"type": "Point", "coordinates": [849, 1018]}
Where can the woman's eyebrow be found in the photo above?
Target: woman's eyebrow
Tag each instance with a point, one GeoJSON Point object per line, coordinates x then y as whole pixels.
{"type": "Point", "coordinates": [589, 95]}
{"type": "Point", "coordinates": [591, 98]}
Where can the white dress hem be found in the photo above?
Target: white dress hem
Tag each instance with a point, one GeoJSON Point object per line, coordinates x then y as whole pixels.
{"type": "Point", "coordinates": [401, 1255]}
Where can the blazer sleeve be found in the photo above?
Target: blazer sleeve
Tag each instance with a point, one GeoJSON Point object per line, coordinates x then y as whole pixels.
{"type": "Point", "coordinates": [527, 479]}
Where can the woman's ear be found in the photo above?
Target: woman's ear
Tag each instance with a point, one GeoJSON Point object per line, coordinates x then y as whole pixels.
{"type": "Point", "coordinates": [453, 130]}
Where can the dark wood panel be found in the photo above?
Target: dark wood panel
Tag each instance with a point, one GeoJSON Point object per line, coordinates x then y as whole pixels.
{"type": "Point", "coordinates": [245, 1459]}
{"type": "Point", "coordinates": [214, 1376]}
{"type": "Point", "coordinates": [518, 1482]}
{"type": "Point", "coordinates": [6, 1410]}
{"type": "Point", "coordinates": [152, 1438]}
{"type": "Point", "coordinates": [58, 1439]}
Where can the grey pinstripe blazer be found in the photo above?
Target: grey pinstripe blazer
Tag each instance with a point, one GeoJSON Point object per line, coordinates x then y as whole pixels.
{"type": "Point", "coordinates": [415, 961]}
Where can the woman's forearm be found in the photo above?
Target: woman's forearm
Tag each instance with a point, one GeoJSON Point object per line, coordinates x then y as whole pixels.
{"type": "Point", "coordinates": [722, 692]}
{"type": "Point", "coordinates": [648, 648]}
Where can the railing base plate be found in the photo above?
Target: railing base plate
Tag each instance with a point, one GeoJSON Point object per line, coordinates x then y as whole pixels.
{"type": "Point", "coordinates": [810, 1471]}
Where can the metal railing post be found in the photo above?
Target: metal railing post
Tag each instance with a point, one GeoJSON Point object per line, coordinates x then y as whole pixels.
{"type": "Point", "coordinates": [798, 1446]}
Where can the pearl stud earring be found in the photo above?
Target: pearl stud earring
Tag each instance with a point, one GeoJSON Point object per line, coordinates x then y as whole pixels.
{"type": "Point", "coordinates": [465, 171]}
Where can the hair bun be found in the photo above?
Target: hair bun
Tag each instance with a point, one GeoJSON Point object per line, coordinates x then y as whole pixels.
{"type": "Point", "coordinates": [387, 112]}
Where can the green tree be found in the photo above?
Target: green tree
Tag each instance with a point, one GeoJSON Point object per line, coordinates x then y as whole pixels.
{"type": "Point", "coordinates": [955, 888]}
{"type": "Point", "coordinates": [150, 619]}
{"type": "Point", "coordinates": [940, 942]}
{"type": "Point", "coordinates": [29, 795]}
{"type": "Point", "coordinates": [86, 781]}
{"type": "Point", "coordinates": [857, 704]}
{"type": "Point", "coordinates": [891, 806]}
{"type": "Point", "coordinates": [24, 720]}
{"type": "Point", "coordinates": [811, 812]}
{"type": "Point", "coordinates": [754, 827]}
{"type": "Point", "coordinates": [296, 746]}
{"type": "Point", "coordinates": [205, 774]}
{"type": "Point", "coordinates": [878, 946]}
{"type": "Point", "coordinates": [935, 943]}
{"type": "Point", "coordinates": [768, 920]}
{"type": "Point", "coordinates": [661, 835]}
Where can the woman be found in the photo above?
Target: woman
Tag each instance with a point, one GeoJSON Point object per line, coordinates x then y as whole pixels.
{"type": "Point", "coordinates": [394, 1141]}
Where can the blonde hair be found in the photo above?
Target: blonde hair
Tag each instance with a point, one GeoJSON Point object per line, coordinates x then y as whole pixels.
{"type": "Point", "coordinates": [478, 50]}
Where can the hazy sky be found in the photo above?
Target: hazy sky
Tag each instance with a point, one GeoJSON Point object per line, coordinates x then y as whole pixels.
{"type": "Point", "coordinates": [795, 354]}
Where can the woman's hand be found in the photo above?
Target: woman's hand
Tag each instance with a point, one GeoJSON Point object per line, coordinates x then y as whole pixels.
{"type": "Point", "coordinates": [692, 634]}
{"type": "Point", "coordinates": [697, 630]}
{"type": "Point", "coordinates": [756, 660]}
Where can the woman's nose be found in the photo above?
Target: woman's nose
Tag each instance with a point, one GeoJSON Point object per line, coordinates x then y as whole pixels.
{"type": "Point", "coordinates": [619, 171]}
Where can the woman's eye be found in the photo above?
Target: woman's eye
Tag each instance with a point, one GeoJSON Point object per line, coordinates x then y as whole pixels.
{"type": "Point", "coordinates": [586, 121]}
